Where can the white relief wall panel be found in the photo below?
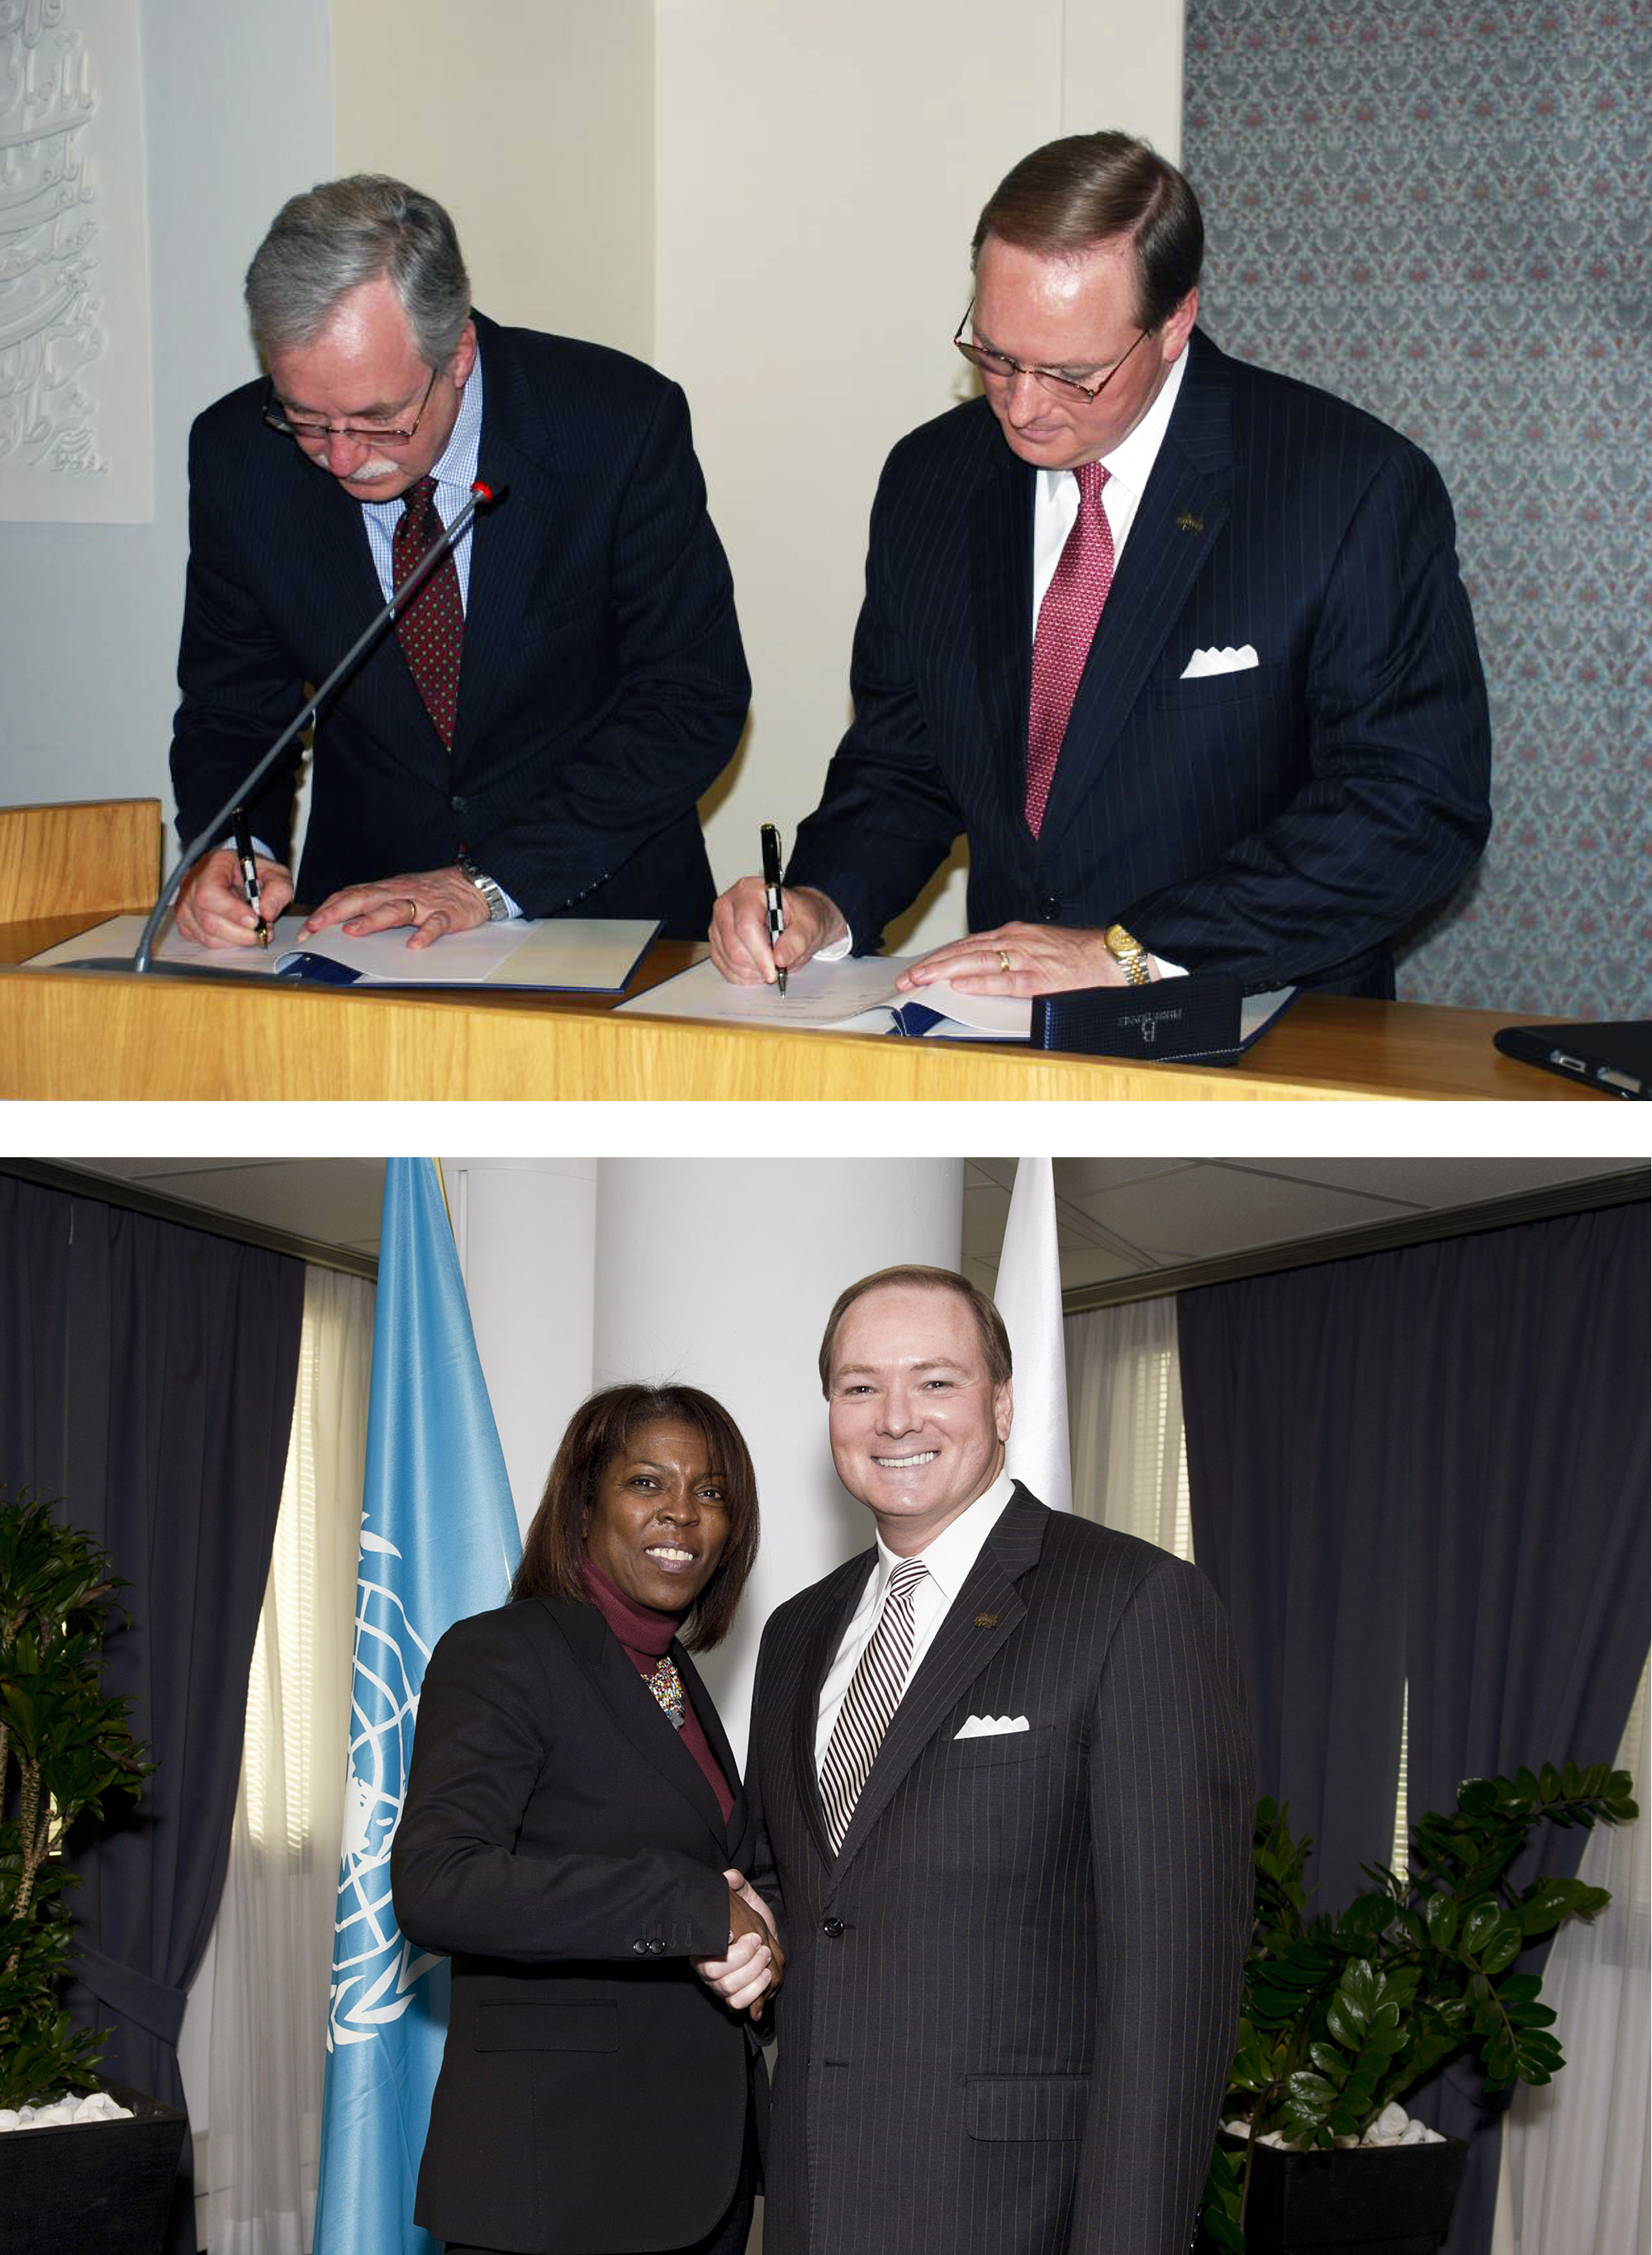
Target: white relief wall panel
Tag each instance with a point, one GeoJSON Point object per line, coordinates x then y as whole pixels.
{"type": "Point", "coordinates": [76, 444]}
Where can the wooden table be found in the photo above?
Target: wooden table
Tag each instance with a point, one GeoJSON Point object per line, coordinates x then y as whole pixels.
{"type": "Point", "coordinates": [83, 1035]}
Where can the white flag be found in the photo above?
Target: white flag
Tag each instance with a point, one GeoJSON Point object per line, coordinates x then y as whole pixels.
{"type": "Point", "coordinates": [1028, 1298]}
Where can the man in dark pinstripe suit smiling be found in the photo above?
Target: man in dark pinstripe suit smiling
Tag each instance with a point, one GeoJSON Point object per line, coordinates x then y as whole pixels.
{"type": "Point", "coordinates": [1180, 645]}
{"type": "Point", "coordinates": [1003, 1778]}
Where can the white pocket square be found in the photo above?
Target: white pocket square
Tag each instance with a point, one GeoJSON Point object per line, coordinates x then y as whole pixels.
{"type": "Point", "coordinates": [1205, 662]}
{"type": "Point", "coordinates": [992, 1726]}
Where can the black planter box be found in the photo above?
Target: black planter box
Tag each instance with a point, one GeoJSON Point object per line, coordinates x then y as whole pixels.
{"type": "Point", "coordinates": [1364, 2200]}
{"type": "Point", "coordinates": [74, 2187]}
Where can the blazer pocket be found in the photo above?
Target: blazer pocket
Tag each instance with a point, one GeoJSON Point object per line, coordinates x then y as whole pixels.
{"type": "Point", "coordinates": [547, 2026]}
{"type": "Point", "coordinates": [1006, 2107]}
{"type": "Point", "coordinates": [1236, 688]}
{"type": "Point", "coordinates": [1036, 1744]}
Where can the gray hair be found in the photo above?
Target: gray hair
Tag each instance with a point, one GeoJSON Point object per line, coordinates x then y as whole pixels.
{"type": "Point", "coordinates": [344, 233]}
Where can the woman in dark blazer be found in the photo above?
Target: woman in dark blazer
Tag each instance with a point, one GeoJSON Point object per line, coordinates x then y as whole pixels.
{"type": "Point", "coordinates": [573, 1823]}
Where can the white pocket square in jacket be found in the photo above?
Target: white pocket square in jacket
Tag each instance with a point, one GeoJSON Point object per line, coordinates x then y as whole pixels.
{"type": "Point", "coordinates": [1205, 662]}
{"type": "Point", "coordinates": [992, 1726]}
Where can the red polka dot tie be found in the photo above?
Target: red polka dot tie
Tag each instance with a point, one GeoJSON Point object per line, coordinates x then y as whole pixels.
{"type": "Point", "coordinates": [1068, 620]}
{"type": "Point", "coordinates": [431, 625]}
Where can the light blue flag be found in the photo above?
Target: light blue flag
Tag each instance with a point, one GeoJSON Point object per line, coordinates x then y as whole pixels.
{"type": "Point", "coordinates": [439, 1542]}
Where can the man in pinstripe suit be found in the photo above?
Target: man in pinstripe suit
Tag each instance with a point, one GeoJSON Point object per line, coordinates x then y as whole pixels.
{"type": "Point", "coordinates": [1005, 1783]}
{"type": "Point", "coordinates": [1219, 709]}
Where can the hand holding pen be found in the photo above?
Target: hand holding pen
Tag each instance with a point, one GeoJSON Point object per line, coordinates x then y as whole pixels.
{"type": "Point", "coordinates": [771, 892]}
{"type": "Point", "coordinates": [249, 862]}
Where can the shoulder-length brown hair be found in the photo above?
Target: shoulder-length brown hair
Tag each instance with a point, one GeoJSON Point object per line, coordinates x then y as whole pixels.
{"type": "Point", "coordinates": [553, 1552]}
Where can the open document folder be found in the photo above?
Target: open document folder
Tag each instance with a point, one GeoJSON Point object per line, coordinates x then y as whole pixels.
{"type": "Point", "coordinates": [856, 996]}
{"type": "Point", "coordinates": [555, 955]}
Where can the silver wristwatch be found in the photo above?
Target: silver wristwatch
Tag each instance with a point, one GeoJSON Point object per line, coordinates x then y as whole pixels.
{"type": "Point", "coordinates": [497, 906]}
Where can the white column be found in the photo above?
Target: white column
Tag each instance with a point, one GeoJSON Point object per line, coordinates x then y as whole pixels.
{"type": "Point", "coordinates": [720, 1273]}
{"type": "Point", "coordinates": [526, 1233]}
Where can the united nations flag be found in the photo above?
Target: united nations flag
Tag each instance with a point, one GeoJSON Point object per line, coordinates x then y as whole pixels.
{"type": "Point", "coordinates": [439, 1542]}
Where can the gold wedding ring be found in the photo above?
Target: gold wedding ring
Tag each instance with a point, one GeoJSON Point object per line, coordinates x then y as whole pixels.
{"type": "Point", "coordinates": [1003, 960]}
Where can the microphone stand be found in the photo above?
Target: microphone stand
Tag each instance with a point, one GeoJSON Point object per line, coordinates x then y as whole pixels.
{"type": "Point", "coordinates": [243, 791]}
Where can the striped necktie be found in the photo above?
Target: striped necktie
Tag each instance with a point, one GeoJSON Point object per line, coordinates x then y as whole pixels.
{"type": "Point", "coordinates": [874, 1694]}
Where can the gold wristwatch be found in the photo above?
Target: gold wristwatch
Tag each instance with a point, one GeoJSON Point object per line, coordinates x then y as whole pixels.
{"type": "Point", "coordinates": [1124, 948]}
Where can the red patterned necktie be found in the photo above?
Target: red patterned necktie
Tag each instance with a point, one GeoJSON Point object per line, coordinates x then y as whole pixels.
{"type": "Point", "coordinates": [1068, 620]}
{"type": "Point", "coordinates": [431, 626]}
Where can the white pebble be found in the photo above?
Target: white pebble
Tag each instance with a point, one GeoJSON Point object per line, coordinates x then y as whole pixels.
{"type": "Point", "coordinates": [1391, 2122]}
{"type": "Point", "coordinates": [8, 2118]}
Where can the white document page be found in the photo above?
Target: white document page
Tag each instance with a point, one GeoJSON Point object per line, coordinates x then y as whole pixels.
{"type": "Point", "coordinates": [576, 954]}
{"type": "Point", "coordinates": [829, 997]}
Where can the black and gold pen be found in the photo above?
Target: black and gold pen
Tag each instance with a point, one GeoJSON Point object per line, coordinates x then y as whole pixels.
{"type": "Point", "coordinates": [249, 885]}
{"type": "Point", "coordinates": [772, 892]}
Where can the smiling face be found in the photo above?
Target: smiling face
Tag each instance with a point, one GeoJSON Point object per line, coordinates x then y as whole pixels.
{"type": "Point", "coordinates": [1077, 316]}
{"type": "Point", "coordinates": [918, 1427]}
{"type": "Point", "coordinates": [365, 369]}
{"type": "Point", "coordinates": [660, 1519]}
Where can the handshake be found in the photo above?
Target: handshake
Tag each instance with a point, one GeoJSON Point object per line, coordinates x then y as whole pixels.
{"type": "Point", "coordinates": [755, 1964]}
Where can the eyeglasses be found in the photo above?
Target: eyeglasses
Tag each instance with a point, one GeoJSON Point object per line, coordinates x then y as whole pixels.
{"type": "Point", "coordinates": [1062, 387]}
{"type": "Point", "coordinates": [369, 433]}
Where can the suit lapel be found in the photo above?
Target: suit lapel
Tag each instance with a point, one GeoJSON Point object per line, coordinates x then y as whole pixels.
{"type": "Point", "coordinates": [837, 1597]}
{"type": "Point", "coordinates": [1001, 531]}
{"type": "Point", "coordinates": [959, 1654]}
{"type": "Point", "coordinates": [508, 541]}
{"type": "Point", "coordinates": [712, 1723]}
{"type": "Point", "coordinates": [1179, 518]}
{"type": "Point", "coordinates": [635, 1710]}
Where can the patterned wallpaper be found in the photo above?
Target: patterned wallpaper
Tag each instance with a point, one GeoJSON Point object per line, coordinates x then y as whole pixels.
{"type": "Point", "coordinates": [1443, 213]}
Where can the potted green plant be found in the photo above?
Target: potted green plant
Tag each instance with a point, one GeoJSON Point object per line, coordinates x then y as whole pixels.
{"type": "Point", "coordinates": [65, 1753]}
{"type": "Point", "coordinates": [1342, 2017]}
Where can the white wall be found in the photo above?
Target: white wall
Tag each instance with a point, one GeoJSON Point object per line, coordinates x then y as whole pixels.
{"type": "Point", "coordinates": [533, 121]}
{"type": "Point", "coordinates": [238, 108]}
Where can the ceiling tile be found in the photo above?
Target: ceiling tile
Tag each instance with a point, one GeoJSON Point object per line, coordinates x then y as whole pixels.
{"type": "Point", "coordinates": [335, 1201]}
{"type": "Point", "coordinates": [1080, 1178]}
{"type": "Point", "coordinates": [1205, 1212]}
{"type": "Point", "coordinates": [1431, 1182]}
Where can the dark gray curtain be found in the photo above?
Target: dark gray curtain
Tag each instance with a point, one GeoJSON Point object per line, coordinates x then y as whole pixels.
{"type": "Point", "coordinates": [147, 1377]}
{"type": "Point", "coordinates": [1430, 1465]}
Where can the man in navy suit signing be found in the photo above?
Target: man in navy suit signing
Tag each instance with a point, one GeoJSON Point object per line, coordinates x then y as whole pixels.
{"type": "Point", "coordinates": [1178, 644]}
{"type": "Point", "coordinates": [531, 737]}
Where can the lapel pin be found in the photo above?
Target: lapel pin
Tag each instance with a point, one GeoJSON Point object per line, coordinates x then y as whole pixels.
{"type": "Point", "coordinates": [985, 1620]}
{"type": "Point", "coordinates": [1186, 523]}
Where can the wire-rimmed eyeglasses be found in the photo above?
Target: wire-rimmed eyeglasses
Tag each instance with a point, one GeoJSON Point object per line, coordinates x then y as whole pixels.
{"type": "Point", "coordinates": [1001, 365]}
{"type": "Point", "coordinates": [294, 427]}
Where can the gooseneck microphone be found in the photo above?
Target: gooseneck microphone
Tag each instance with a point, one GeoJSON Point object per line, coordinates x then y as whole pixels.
{"type": "Point", "coordinates": [481, 494]}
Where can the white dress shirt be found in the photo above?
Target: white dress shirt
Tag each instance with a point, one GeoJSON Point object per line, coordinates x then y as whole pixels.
{"type": "Point", "coordinates": [1056, 498]}
{"type": "Point", "coordinates": [949, 1559]}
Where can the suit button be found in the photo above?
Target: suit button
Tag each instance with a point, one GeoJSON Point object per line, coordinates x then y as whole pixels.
{"type": "Point", "coordinates": [459, 803]}
{"type": "Point", "coordinates": [833, 1928]}
{"type": "Point", "coordinates": [1050, 910]}
{"type": "Point", "coordinates": [641, 1946]}
{"type": "Point", "coordinates": [656, 1947]}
